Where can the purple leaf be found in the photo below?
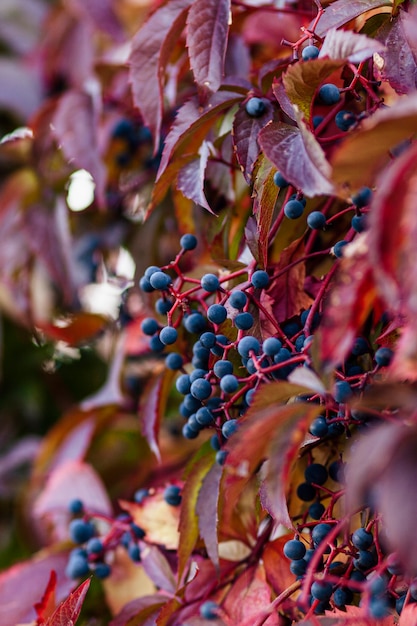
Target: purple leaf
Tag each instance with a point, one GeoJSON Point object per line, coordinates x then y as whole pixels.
{"type": "Point", "coordinates": [135, 607]}
{"type": "Point", "coordinates": [344, 44]}
{"type": "Point", "coordinates": [101, 14]}
{"type": "Point", "coordinates": [152, 406]}
{"type": "Point", "coordinates": [298, 156]}
{"type": "Point", "coordinates": [151, 47]}
{"type": "Point", "coordinates": [207, 32]}
{"type": "Point", "coordinates": [237, 61]}
{"type": "Point", "coordinates": [157, 568]}
{"type": "Point", "coordinates": [245, 137]}
{"type": "Point", "coordinates": [281, 95]}
{"type": "Point", "coordinates": [74, 125]}
{"type": "Point", "coordinates": [342, 11]}
{"type": "Point", "coordinates": [191, 178]}
{"type": "Point", "coordinates": [398, 63]}
{"type": "Point", "coordinates": [206, 509]}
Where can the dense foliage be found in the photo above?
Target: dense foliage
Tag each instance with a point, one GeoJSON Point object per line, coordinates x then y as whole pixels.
{"type": "Point", "coordinates": [209, 365]}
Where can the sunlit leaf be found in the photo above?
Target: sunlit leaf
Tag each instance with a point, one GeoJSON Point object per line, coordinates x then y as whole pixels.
{"type": "Point", "coordinates": [69, 610]}
{"type": "Point", "coordinates": [157, 568]}
{"type": "Point", "coordinates": [248, 598]}
{"type": "Point", "coordinates": [207, 31]}
{"type": "Point", "coordinates": [138, 609]}
{"type": "Point", "coordinates": [265, 199]}
{"type": "Point", "coordinates": [340, 44]}
{"type": "Point", "coordinates": [191, 178]}
{"type": "Point", "coordinates": [207, 511]}
{"type": "Point", "coordinates": [158, 519]}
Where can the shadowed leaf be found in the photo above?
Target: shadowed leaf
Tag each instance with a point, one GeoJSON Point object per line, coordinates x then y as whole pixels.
{"type": "Point", "coordinates": [152, 407]}
{"type": "Point", "coordinates": [399, 59]}
{"type": "Point", "coordinates": [298, 156]}
{"type": "Point", "coordinates": [191, 178]}
{"type": "Point", "coordinates": [151, 47]}
{"type": "Point", "coordinates": [157, 568]}
{"type": "Point", "coordinates": [265, 198]}
{"type": "Point", "coordinates": [245, 137]}
{"type": "Point", "coordinates": [207, 511]}
{"type": "Point", "coordinates": [207, 31]}
{"type": "Point", "coordinates": [342, 11]}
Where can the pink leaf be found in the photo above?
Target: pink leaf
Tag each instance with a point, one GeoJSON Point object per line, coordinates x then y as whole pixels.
{"type": "Point", "coordinates": [101, 14]}
{"type": "Point", "coordinates": [135, 607]}
{"type": "Point", "coordinates": [245, 137]}
{"type": "Point", "coordinates": [206, 509]}
{"type": "Point", "coordinates": [74, 125]}
{"type": "Point", "coordinates": [207, 31]}
{"type": "Point", "coordinates": [344, 44]}
{"type": "Point", "coordinates": [191, 178]}
{"type": "Point", "coordinates": [399, 65]}
{"type": "Point", "coordinates": [157, 568]}
{"type": "Point", "coordinates": [151, 47]}
{"type": "Point", "coordinates": [298, 156]}
{"type": "Point", "coordinates": [151, 408]}
{"type": "Point", "coordinates": [22, 585]}
{"type": "Point", "coordinates": [68, 612]}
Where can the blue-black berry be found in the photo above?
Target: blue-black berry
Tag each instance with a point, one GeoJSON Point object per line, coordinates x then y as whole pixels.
{"type": "Point", "coordinates": [255, 107]}
{"type": "Point", "coordinates": [188, 242]}
{"type": "Point", "coordinates": [209, 610]}
{"type": "Point", "coordinates": [293, 209]}
{"type": "Point", "coordinates": [217, 313]}
{"type": "Point", "coordinates": [260, 279]}
{"type": "Point", "coordinates": [316, 220]}
{"type": "Point", "coordinates": [329, 94]}
{"type": "Point", "coordinates": [210, 282]}
{"type": "Point", "coordinates": [81, 531]}
{"type": "Point", "coordinates": [172, 495]}
{"type": "Point", "coordinates": [310, 52]}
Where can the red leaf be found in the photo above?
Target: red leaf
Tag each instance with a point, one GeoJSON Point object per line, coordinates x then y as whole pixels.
{"type": "Point", "coordinates": [152, 406]}
{"type": "Point", "coordinates": [207, 511]}
{"type": "Point", "coordinates": [352, 297]}
{"type": "Point", "coordinates": [22, 585]}
{"type": "Point", "coordinates": [343, 11]}
{"type": "Point", "coordinates": [265, 198]}
{"type": "Point", "coordinates": [245, 137]}
{"type": "Point", "coordinates": [68, 612]}
{"type": "Point", "coordinates": [45, 607]}
{"type": "Point", "coordinates": [298, 156]}
{"type": "Point", "coordinates": [74, 329]}
{"type": "Point", "coordinates": [408, 615]}
{"type": "Point", "coordinates": [192, 176]}
{"type": "Point", "coordinates": [251, 444]}
{"type": "Point", "coordinates": [151, 47]}
{"type": "Point", "coordinates": [399, 66]}
{"type": "Point", "coordinates": [381, 472]}
{"type": "Point", "coordinates": [74, 125]}
{"type": "Point", "coordinates": [138, 607]}
{"type": "Point", "coordinates": [207, 32]}
{"type": "Point", "coordinates": [393, 228]}
{"type": "Point", "coordinates": [248, 598]}
{"type": "Point", "coordinates": [287, 296]}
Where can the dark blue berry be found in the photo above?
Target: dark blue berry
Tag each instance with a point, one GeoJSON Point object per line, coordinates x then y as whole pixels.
{"type": "Point", "coordinates": [174, 361]}
{"type": "Point", "coordinates": [255, 107]}
{"type": "Point", "coordinates": [319, 533]}
{"type": "Point", "coordinates": [195, 323]}
{"type": "Point", "coordinates": [319, 427]}
{"type": "Point", "coordinates": [191, 402]}
{"type": "Point", "coordinates": [379, 607]}
{"type": "Point", "coordinates": [200, 389]}
{"type": "Point", "coordinates": [189, 432]}
{"type": "Point", "coordinates": [294, 549]}
{"type": "Point", "coordinates": [293, 209]}
{"type": "Point", "coordinates": [229, 428]}
{"type": "Point", "coordinates": [215, 443]}
{"type": "Point", "coordinates": [77, 567]}
{"type": "Point", "coordinates": [362, 198]}
{"type": "Point", "coordinates": [168, 335]}
{"type": "Point", "coordinates": [283, 355]}
{"type": "Point", "coordinates": [172, 495]}
{"type": "Point", "coordinates": [306, 492]}
{"type": "Point", "coordinates": [94, 546]}
{"type": "Point", "coordinates": [221, 340]}
{"type": "Point", "coordinates": [310, 52]}
{"type": "Point", "coordinates": [102, 570]}
{"type": "Point", "coordinates": [138, 532]}
{"type": "Point", "coordinates": [249, 397]}
{"type": "Point", "coordinates": [134, 552]}
{"type": "Point", "coordinates": [238, 299]}
{"type": "Point", "coordinates": [358, 223]}
{"type": "Point", "coordinates": [317, 120]}
{"type": "Point", "coordinates": [222, 367]}
{"type": "Point", "coordinates": [399, 603]}
{"type": "Point", "coordinates": [298, 568]}
{"type": "Point", "coordinates": [229, 383]}
{"type": "Point", "coordinates": [316, 220]}
{"type": "Point", "coordinates": [244, 321]}
{"type": "Point", "coordinates": [336, 471]}
{"type": "Point", "coordinates": [145, 285]}
{"type": "Point", "coordinates": [342, 391]}
{"type": "Point", "coordinates": [329, 94]}
{"type": "Point", "coordinates": [316, 473]}
{"type": "Point", "coordinates": [163, 305]}
{"type": "Point", "coordinates": [209, 610]}
{"type": "Point", "coordinates": [279, 180]}
{"type": "Point", "coordinates": [140, 495]}
{"type": "Point", "coordinates": [345, 120]}
{"type": "Point", "coordinates": [210, 282]}
{"type": "Point", "coordinates": [383, 356]}
{"type": "Point", "coordinates": [151, 270]}
{"type": "Point", "coordinates": [160, 280]}
{"type": "Point", "coordinates": [221, 457]}
{"type": "Point", "coordinates": [316, 510]}
{"type": "Point", "coordinates": [342, 596]}
{"type": "Point", "coordinates": [188, 242]}
{"type": "Point", "coordinates": [365, 560]}
{"type": "Point", "coordinates": [156, 344]}
{"type": "Point", "coordinates": [360, 346]}
{"type": "Point", "coordinates": [362, 539]}
{"type": "Point", "coordinates": [208, 340]}
{"type": "Point", "coordinates": [321, 590]}
{"type": "Point", "coordinates": [80, 531]}
{"type": "Point", "coordinates": [204, 416]}
{"type": "Point", "coordinates": [271, 346]}
{"type": "Point", "coordinates": [197, 373]}
{"type": "Point", "coordinates": [217, 313]}
{"type": "Point", "coordinates": [247, 345]}
{"type": "Point", "coordinates": [76, 506]}
{"type": "Point", "coordinates": [338, 248]}
{"type": "Point", "coordinates": [183, 384]}
{"type": "Point", "coordinates": [260, 279]}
